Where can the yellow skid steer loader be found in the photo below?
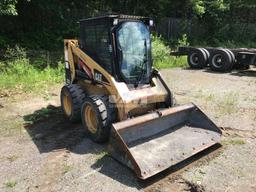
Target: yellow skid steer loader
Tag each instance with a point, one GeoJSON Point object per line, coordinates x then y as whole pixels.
{"type": "Point", "coordinates": [113, 89]}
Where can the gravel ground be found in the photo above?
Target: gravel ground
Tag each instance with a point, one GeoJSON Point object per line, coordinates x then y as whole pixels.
{"type": "Point", "coordinates": [41, 151]}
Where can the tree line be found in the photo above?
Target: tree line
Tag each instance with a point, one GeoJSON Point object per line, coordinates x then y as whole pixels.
{"type": "Point", "coordinates": [43, 24]}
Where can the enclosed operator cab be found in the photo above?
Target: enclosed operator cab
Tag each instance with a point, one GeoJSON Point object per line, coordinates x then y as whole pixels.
{"type": "Point", "coordinates": [120, 44]}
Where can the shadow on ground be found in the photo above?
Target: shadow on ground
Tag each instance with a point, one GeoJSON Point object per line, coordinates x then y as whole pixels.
{"type": "Point", "coordinates": [247, 73]}
{"type": "Point", "coordinates": [239, 73]}
{"type": "Point", "coordinates": [50, 131]}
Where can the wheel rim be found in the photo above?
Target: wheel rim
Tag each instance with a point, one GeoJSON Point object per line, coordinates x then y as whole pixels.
{"type": "Point", "coordinates": [67, 103]}
{"type": "Point", "coordinates": [194, 59]}
{"type": "Point", "coordinates": [217, 61]}
{"type": "Point", "coordinates": [90, 119]}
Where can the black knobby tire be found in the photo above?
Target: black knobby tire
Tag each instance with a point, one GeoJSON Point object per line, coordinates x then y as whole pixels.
{"type": "Point", "coordinates": [76, 96]}
{"type": "Point", "coordinates": [104, 114]}
{"type": "Point", "coordinates": [197, 59]}
{"type": "Point", "coordinates": [221, 60]}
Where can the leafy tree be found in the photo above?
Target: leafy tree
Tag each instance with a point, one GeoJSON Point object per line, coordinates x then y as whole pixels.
{"type": "Point", "coordinates": [7, 7]}
{"type": "Point", "coordinates": [45, 23]}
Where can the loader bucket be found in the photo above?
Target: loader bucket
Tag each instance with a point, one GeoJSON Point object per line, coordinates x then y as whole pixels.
{"type": "Point", "coordinates": [153, 142]}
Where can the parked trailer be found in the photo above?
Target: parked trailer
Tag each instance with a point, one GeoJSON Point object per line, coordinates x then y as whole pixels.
{"type": "Point", "coordinates": [218, 59]}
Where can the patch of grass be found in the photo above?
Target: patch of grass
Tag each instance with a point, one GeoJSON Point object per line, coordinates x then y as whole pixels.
{"type": "Point", "coordinates": [209, 97]}
{"type": "Point", "coordinates": [228, 103]}
{"type": "Point", "coordinates": [21, 75]}
{"type": "Point", "coordinates": [66, 168]}
{"type": "Point", "coordinates": [10, 184]}
{"type": "Point", "coordinates": [206, 96]}
{"type": "Point", "coordinates": [233, 142]}
{"type": "Point", "coordinates": [162, 58]}
{"type": "Point", "coordinates": [197, 177]}
{"type": "Point", "coordinates": [41, 114]}
{"type": "Point", "coordinates": [101, 155]}
{"type": "Point", "coordinates": [47, 96]}
{"type": "Point", "coordinates": [12, 158]}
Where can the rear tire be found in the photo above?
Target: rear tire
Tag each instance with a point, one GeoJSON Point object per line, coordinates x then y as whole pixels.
{"type": "Point", "coordinates": [207, 55]}
{"type": "Point", "coordinates": [72, 97]}
{"type": "Point", "coordinates": [232, 55]}
{"type": "Point", "coordinates": [97, 116]}
{"type": "Point", "coordinates": [221, 60]}
{"type": "Point", "coordinates": [197, 59]}
{"type": "Point", "coordinates": [234, 63]}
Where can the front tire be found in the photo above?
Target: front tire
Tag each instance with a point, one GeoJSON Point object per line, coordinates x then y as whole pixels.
{"type": "Point", "coordinates": [97, 117]}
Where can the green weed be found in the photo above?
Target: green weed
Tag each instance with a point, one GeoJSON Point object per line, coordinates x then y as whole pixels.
{"type": "Point", "coordinates": [162, 58]}
{"type": "Point", "coordinates": [66, 168]}
{"type": "Point", "coordinates": [233, 142]}
{"type": "Point", "coordinates": [12, 158]}
{"type": "Point", "coordinates": [197, 177]}
{"type": "Point", "coordinates": [228, 104]}
{"type": "Point", "coordinates": [47, 96]}
{"type": "Point", "coordinates": [40, 115]}
{"type": "Point", "coordinates": [204, 95]}
{"type": "Point", "coordinates": [10, 184]}
{"type": "Point", "coordinates": [101, 155]}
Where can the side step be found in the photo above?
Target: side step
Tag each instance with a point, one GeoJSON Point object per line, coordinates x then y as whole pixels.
{"type": "Point", "coordinates": [153, 142]}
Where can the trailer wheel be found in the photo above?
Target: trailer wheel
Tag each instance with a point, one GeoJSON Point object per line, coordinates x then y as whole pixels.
{"type": "Point", "coordinates": [207, 54]}
{"type": "Point", "coordinates": [235, 64]}
{"type": "Point", "coordinates": [97, 116]}
{"type": "Point", "coordinates": [72, 97]}
{"type": "Point", "coordinates": [221, 60]}
{"type": "Point", "coordinates": [232, 55]}
{"type": "Point", "coordinates": [197, 58]}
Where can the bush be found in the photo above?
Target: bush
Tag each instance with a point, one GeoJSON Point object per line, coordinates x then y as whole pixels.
{"type": "Point", "coordinates": [14, 53]}
{"type": "Point", "coordinates": [20, 74]}
{"type": "Point", "coordinates": [162, 57]}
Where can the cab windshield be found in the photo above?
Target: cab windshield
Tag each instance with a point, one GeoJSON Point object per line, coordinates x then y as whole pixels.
{"type": "Point", "coordinates": [134, 51]}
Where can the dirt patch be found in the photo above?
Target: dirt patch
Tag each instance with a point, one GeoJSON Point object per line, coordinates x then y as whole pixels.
{"type": "Point", "coordinates": [41, 151]}
{"type": "Point", "coordinates": [229, 100]}
{"type": "Point", "coordinates": [231, 132]}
